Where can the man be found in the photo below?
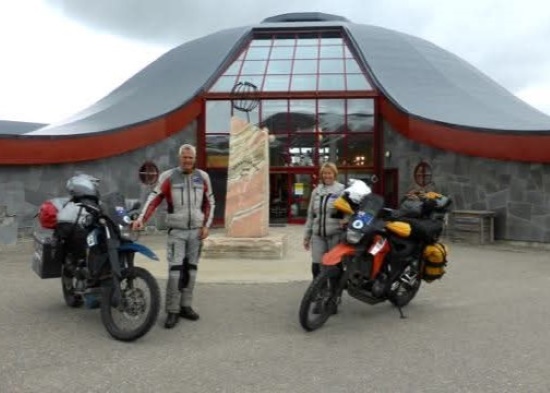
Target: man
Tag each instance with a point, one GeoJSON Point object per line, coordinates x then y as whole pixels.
{"type": "Point", "coordinates": [190, 210]}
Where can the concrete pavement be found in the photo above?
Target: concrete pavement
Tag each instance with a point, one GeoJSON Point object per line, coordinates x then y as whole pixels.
{"type": "Point", "coordinates": [294, 267]}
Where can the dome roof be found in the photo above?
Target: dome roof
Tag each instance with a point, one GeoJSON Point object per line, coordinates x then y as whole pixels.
{"type": "Point", "coordinates": [417, 79]}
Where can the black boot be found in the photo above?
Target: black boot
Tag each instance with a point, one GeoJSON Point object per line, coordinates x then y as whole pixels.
{"type": "Point", "coordinates": [171, 320]}
{"type": "Point", "coordinates": [315, 269]}
{"type": "Point", "coordinates": [189, 313]}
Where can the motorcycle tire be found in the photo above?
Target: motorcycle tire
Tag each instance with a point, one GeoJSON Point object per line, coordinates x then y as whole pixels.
{"type": "Point", "coordinates": [67, 285]}
{"type": "Point", "coordinates": [132, 306]}
{"type": "Point", "coordinates": [318, 303]}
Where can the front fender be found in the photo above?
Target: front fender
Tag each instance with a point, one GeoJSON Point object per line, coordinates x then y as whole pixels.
{"type": "Point", "coordinates": [335, 255]}
{"type": "Point", "coordinates": [136, 247]}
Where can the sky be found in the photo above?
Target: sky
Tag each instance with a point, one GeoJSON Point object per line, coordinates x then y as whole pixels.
{"type": "Point", "coordinates": [60, 56]}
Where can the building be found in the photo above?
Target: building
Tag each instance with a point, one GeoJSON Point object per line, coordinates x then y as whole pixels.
{"type": "Point", "coordinates": [372, 100]}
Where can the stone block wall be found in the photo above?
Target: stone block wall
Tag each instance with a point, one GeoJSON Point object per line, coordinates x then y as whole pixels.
{"type": "Point", "coordinates": [24, 188]}
{"type": "Point", "coordinates": [519, 193]}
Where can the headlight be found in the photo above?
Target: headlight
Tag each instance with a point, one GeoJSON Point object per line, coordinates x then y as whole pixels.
{"type": "Point", "coordinates": [124, 231]}
{"type": "Point", "coordinates": [353, 237]}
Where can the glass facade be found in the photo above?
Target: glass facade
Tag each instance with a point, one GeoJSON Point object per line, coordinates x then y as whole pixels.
{"type": "Point", "coordinates": [290, 70]}
{"type": "Point", "coordinates": [283, 62]}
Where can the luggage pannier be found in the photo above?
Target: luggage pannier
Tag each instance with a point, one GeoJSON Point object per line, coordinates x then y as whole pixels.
{"type": "Point", "coordinates": [419, 229]}
{"type": "Point", "coordinates": [45, 260]}
{"type": "Point", "coordinates": [435, 260]}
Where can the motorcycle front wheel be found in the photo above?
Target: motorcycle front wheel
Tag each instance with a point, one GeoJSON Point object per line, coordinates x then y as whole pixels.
{"type": "Point", "coordinates": [318, 303]}
{"type": "Point", "coordinates": [138, 308]}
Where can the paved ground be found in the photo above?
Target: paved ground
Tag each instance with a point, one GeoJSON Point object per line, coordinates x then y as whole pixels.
{"type": "Point", "coordinates": [483, 328]}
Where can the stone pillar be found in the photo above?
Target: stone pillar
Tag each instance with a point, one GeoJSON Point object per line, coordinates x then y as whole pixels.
{"type": "Point", "coordinates": [247, 201]}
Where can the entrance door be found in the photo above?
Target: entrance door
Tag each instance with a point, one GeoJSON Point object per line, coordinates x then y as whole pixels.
{"type": "Point", "coordinates": [289, 196]}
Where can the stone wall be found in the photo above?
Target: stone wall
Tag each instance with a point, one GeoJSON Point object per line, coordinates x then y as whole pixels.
{"type": "Point", "coordinates": [24, 188]}
{"type": "Point", "coordinates": [519, 193]}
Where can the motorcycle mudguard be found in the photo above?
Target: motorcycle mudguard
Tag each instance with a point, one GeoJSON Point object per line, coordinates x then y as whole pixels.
{"type": "Point", "coordinates": [335, 255]}
{"type": "Point", "coordinates": [136, 247]}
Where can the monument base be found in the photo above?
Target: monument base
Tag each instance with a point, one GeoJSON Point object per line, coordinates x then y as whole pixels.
{"type": "Point", "coordinates": [267, 247]}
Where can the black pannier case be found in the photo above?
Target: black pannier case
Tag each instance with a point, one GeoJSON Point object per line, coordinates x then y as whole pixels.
{"type": "Point", "coordinates": [45, 260]}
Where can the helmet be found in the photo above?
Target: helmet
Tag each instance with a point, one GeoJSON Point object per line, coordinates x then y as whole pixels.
{"type": "Point", "coordinates": [82, 185]}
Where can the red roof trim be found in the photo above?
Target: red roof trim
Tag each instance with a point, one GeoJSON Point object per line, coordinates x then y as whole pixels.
{"type": "Point", "coordinates": [527, 147]}
{"type": "Point", "coordinates": [59, 150]}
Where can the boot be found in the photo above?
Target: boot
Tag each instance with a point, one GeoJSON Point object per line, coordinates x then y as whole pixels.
{"type": "Point", "coordinates": [315, 269]}
{"type": "Point", "coordinates": [171, 320]}
{"type": "Point", "coordinates": [189, 313]}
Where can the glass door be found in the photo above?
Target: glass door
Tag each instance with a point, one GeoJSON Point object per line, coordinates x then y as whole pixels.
{"type": "Point", "coordinates": [289, 196]}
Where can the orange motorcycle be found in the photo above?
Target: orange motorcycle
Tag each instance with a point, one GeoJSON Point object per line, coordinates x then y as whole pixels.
{"type": "Point", "coordinates": [384, 254]}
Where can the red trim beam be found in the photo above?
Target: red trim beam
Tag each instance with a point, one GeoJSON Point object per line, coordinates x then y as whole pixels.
{"type": "Point", "coordinates": [77, 148]}
{"type": "Point", "coordinates": [525, 146]}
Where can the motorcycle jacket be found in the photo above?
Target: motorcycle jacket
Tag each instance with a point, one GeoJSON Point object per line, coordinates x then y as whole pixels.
{"type": "Point", "coordinates": [189, 199]}
{"type": "Point", "coordinates": [322, 218]}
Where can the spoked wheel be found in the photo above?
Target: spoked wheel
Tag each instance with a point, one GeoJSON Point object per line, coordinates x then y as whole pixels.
{"type": "Point", "coordinates": [405, 288]}
{"type": "Point", "coordinates": [68, 281]}
{"type": "Point", "coordinates": [318, 303]}
{"type": "Point", "coordinates": [138, 308]}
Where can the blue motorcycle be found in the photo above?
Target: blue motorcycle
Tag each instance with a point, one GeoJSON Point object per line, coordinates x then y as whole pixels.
{"type": "Point", "coordinates": [90, 248]}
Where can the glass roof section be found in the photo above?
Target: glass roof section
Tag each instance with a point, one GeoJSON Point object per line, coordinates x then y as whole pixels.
{"type": "Point", "coordinates": [283, 62]}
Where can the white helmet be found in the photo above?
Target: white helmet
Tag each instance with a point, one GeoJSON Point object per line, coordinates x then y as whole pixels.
{"type": "Point", "coordinates": [82, 185]}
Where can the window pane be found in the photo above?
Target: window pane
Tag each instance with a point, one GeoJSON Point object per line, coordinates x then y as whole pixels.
{"type": "Point", "coordinates": [301, 149]}
{"type": "Point", "coordinates": [331, 82]}
{"type": "Point", "coordinates": [275, 116]}
{"type": "Point", "coordinates": [278, 151]}
{"type": "Point", "coordinates": [332, 115]}
{"type": "Point", "coordinates": [282, 52]}
{"type": "Point", "coordinates": [304, 83]}
{"type": "Point", "coordinates": [331, 147]}
{"type": "Point", "coordinates": [305, 67]}
{"type": "Point", "coordinates": [258, 53]}
{"type": "Point", "coordinates": [331, 66]}
{"type": "Point", "coordinates": [287, 41]}
{"type": "Point", "coordinates": [332, 52]}
{"type": "Point", "coordinates": [352, 67]}
{"type": "Point", "coordinates": [357, 82]}
{"type": "Point", "coordinates": [218, 115]}
{"type": "Point", "coordinates": [224, 83]}
{"type": "Point", "coordinates": [276, 83]}
{"type": "Point", "coordinates": [307, 52]}
{"type": "Point", "coordinates": [233, 68]}
{"type": "Point", "coordinates": [256, 80]}
{"type": "Point", "coordinates": [261, 41]}
{"type": "Point", "coordinates": [217, 150]}
{"type": "Point", "coordinates": [360, 148]}
{"type": "Point", "coordinates": [279, 67]}
{"type": "Point", "coordinates": [308, 41]}
{"type": "Point", "coordinates": [332, 41]}
{"type": "Point", "coordinates": [302, 115]}
{"type": "Point", "coordinates": [254, 67]}
{"type": "Point", "coordinates": [218, 179]}
{"type": "Point", "coordinates": [360, 115]}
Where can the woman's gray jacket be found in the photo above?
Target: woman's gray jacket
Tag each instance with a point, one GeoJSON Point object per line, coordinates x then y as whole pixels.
{"type": "Point", "coordinates": [322, 218]}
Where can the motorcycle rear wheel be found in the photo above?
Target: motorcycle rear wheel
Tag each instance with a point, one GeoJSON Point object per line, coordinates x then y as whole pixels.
{"type": "Point", "coordinates": [318, 303]}
{"type": "Point", "coordinates": [133, 306]}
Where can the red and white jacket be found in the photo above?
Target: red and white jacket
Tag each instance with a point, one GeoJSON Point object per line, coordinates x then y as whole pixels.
{"type": "Point", "coordinates": [189, 199]}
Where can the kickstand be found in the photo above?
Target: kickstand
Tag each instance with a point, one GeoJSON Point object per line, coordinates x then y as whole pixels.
{"type": "Point", "coordinates": [402, 316]}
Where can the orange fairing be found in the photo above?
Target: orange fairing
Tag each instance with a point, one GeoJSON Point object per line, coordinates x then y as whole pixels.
{"type": "Point", "coordinates": [379, 250]}
{"type": "Point", "coordinates": [335, 255]}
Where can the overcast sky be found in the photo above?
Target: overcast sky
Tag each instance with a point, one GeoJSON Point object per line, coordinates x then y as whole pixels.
{"type": "Point", "coordinates": [60, 56]}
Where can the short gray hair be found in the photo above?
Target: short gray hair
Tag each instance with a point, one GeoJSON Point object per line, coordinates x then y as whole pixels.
{"type": "Point", "coordinates": [188, 147]}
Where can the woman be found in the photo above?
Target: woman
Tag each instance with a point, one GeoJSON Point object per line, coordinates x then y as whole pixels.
{"type": "Point", "coordinates": [323, 226]}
